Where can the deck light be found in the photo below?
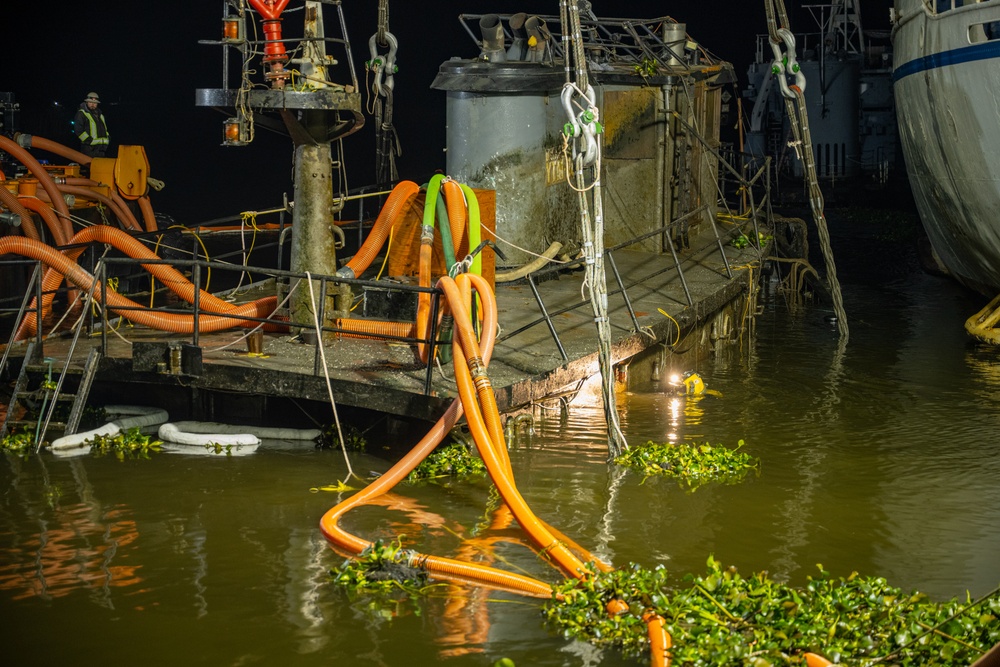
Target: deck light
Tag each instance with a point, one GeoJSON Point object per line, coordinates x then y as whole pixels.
{"type": "Point", "coordinates": [232, 30]}
{"type": "Point", "coordinates": [234, 132]}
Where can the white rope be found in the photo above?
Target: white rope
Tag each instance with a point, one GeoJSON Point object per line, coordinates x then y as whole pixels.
{"type": "Point", "coordinates": [326, 374]}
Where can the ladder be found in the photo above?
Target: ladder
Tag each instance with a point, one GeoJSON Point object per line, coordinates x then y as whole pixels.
{"type": "Point", "coordinates": [42, 388]}
{"type": "Point", "coordinates": [41, 380]}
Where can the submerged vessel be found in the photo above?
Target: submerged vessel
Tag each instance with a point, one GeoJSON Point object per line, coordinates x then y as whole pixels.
{"type": "Point", "coordinates": [945, 82]}
{"type": "Point", "coordinates": [558, 161]}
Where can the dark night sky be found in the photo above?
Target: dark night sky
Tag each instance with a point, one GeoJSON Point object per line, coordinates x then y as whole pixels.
{"type": "Point", "coordinates": [146, 63]}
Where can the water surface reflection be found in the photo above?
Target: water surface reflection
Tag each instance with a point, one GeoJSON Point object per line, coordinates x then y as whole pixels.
{"type": "Point", "coordinates": [879, 457]}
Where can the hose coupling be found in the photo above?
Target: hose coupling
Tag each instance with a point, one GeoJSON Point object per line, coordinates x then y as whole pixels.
{"type": "Point", "coordinates": [477, 369]}
{"type": "Point", "coordinates": [345, 272]}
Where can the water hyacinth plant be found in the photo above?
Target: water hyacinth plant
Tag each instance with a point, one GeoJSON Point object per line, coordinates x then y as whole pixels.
{"type": "Point", "coordinates": [128, 444]}
{"type": "Point", "coordinates": [20, 442]}
{"type": "Point", "coordinates": [453, 460]}
{"type": "Point", "coordinates": [383, 581]}
{"type": "Point", "coordinates": [381, 567]}
{"type": "Point", "coordinates": [692, 465]}
{"type": "Point", "coordinates": [722, 618]}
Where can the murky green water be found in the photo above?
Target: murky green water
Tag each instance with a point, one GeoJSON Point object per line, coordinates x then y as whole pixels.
{"type": "Point", "coordinates": [881, 458]}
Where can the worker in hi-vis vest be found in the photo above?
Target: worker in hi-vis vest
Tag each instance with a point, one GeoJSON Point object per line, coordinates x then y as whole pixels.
{"type": "Point", "coordinates": [90, 127]}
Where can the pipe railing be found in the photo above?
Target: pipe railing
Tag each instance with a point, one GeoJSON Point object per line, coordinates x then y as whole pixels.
{"type": "Point", "coordinates": [760, 180]}
{"type": "Point", "coordinates": [606, 39]}
{"type": "Point", "coordinates": [198, 266]}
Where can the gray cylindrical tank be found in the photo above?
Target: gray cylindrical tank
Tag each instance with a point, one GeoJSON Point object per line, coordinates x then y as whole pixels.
{"type": "Point", "coordinates": [675, 37]}
{"type": "Point", "coordinates": [499, 127]}
{"type": "Point", "coordinates": [833, 116]}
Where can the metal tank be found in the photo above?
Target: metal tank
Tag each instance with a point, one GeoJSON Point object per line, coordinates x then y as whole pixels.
{"type": "Point", "coordinates": [501, 130]}
{"type": "Point", "coordinates": [505, 132]}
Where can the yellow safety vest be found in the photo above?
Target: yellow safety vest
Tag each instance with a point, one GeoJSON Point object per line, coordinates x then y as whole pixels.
{"type": "Point", "coordinates": [92, 134]}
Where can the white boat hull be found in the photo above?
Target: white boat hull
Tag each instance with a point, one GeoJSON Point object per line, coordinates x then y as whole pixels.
{"type": "Point", "coordinates": [947, 89]}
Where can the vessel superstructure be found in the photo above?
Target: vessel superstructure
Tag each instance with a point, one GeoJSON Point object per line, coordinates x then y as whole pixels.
{"type": "Point", "coordinates": [849, 96]}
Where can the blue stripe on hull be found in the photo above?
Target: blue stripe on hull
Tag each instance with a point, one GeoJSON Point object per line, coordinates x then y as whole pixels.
{"type": "Point", "coordinates": [966, 54]}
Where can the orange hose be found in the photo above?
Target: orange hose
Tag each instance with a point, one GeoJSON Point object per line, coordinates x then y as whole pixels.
{"type": "Point", "coordinates": [387, 217]}
{"type": "Point", "coordinates": [125, 217]}
{"type": "Point", "coordinates": [455, 201]}
{"type": "Point", "coordinates": [48, 216]}
{"type": "Point", "coordinates": [177, 323]}
{"type": "Point", "coordinates": [171, 278]}
{"type": "Point", "coordinates": [117, 198]}
{"type": "Point", "coordinates": [44, 144]}
{"type": "Point", "coordinates": [477, 397]}
{"type": "Point", "coordinates": [148, 216]}
{"type": "Point", "coordinates": [38, 171]}
{"type": "Point", "coordinates": [374, 328]}
{"type": "Point", "coordinates": [424, 299]}
{"type": "Point", "coordinates": [444, 567]}
{"type": "Point", "coordinates": [12, 204]}
{"type": "Point", "coordinates": [659, 639]}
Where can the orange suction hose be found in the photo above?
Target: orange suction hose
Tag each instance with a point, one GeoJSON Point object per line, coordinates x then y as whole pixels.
{"type": "Point", "coordinates": [424, 298]}
{"type": "Point", "coordinates": [148, 216]}
{"type": "Point", "coordinates": [457, 218]}
{"type": "Point", "coordinates": [61, 150]}
{"type": "Point", "coordinates": [48, 215]}
{"type": "Point", "coordinates": [125, 217]}
{"type": "Point", "coordinates": [477, 397]}
{"type": "Point", "coordinates": [387, 217]}
{"type": "Point", "coordinates": [177, 323]}
{"type": "Point", "coordinates": [11, 203]}
{"type": "Point", "coordinates": [38, 171]}
{"type": "Point", "coordinates": [445, 567]}
{"type": "Point", "coordinates": [374, 328]}
{"type": "Point", "coordinates": [171, 278]}
{"type": "Point", "coordinates": [659, 639]}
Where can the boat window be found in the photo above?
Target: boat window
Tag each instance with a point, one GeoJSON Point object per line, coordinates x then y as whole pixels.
{"type": "Point", "coordinates": [947, 5]}
{"type": "Point", "coordinates": [984, 32]}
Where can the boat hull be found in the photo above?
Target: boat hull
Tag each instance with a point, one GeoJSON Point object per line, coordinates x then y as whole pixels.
{"type": "Point", "coordinates": [947, 89]}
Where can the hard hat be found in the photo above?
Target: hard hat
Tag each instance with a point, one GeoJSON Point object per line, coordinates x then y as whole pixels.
{"type": "Point", "coordinates": [92, 97]}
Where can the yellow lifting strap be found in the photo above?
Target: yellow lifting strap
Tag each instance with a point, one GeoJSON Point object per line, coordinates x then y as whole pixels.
{"type": "Point", "coordinates": [982, 325]}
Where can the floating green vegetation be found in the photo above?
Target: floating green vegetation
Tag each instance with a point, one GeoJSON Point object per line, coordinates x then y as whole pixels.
{"type": "Point", "coordinates": [329, 438]}
{"type": "Point", "coordinates": [219, 448]}
{"type": "Point", "coordinates": [384, 579]}
{"type": "Point", "coordinates": [691, 464]}
{"type": "Point", "coordinates": [722, 618]}
{"type": "Point", "coordinates": [20, 442]}
{"type": "Point", "coordinates": [128, 444]}
{"type": "Point", "coordinates": [381, 567]}
{"type": "Point", "coordinates": [453, 460]}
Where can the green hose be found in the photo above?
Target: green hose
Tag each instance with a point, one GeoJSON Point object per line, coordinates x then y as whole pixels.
{"type": "Point", "coordinates": [474, 227]}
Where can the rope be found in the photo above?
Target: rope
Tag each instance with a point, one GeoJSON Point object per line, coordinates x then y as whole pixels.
{"type": "Point", "coordinates": [795, 108]}
{"type": "Point", "coordinates": [326, 374]}
{"type": "Point", "coordinates": [592, 228]}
